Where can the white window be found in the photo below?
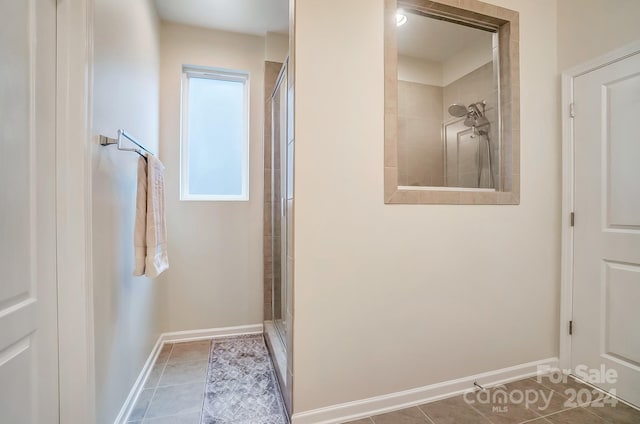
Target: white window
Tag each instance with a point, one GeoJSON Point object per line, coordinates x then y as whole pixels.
{"type": "Point", "coordinates": [215, 135]}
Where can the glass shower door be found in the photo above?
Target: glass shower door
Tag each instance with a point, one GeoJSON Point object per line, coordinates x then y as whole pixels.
{"type": "Point", "coordinates": [279, 218]}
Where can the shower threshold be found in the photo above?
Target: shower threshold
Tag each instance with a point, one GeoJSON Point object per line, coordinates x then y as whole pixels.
{"type": "Point", "coordinates": [278, 352]}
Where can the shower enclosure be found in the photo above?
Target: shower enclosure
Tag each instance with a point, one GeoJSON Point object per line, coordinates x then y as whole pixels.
{"type": "Point", "coordinates": [277, 208]}
{"type": "Point", "coordinates": [471, 154]}
{"type": "Point", "coordinates": [278, 200]}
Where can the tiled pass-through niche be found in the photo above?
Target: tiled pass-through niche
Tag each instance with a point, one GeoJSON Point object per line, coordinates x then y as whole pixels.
{"type": "Point", "coordinates": [416, 171]}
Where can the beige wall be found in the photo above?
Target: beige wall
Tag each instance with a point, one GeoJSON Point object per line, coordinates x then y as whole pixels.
{"type": "Point", "coordinates": [421, 71]}
{"type": "Point", "coordinates": [276, 47]}
{"type": "Point", "coordinates": [394, 297]}
{"type": "Point", "coordinates": [215, 248]}
{"type": "Point", "coordinates": [424, 71]}
{"type": "Point", "coordinates": [128, 316]}
{"type": "Point", "coordinates": [590, 28]}
{"type": "Point", "coordinates": [471, 58]}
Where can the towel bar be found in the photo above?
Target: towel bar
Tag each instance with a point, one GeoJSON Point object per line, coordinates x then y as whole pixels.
{"type": "Point", "coordinates": [107, 141]}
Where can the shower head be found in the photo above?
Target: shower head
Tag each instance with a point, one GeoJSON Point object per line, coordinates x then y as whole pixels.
{"type": "Point", "coordinates": [475, 121]}
{"type": "Point", "coordinates": [482, 121]}
{"type": "Point", "coordinates": [470, 121]}
{"type": "Point", "coordinates": [473, 109]}
{"type": "Point", "coordinates": [474, 116]}
{"type": "Point", "coordinates": [457, 110]}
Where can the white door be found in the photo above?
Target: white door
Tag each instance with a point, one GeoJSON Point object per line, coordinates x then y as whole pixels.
{"type": "Point", "coordinates": [606, 298]}
{"type": "Point", "coordinates": [28, 325]}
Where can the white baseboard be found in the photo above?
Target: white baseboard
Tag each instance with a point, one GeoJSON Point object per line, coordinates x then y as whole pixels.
{"type": "Point", "coordinates": [211, 333]}
{"type": "Point", "coordinates": [132, 398]}
{"type": "Point", "coordinates": [177, 337]}
{"type": "Point", "coordinates": [394, 401]}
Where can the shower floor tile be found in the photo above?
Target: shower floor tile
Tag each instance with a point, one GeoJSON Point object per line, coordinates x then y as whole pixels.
{"type": "Point", "coordinates": [228, 380]}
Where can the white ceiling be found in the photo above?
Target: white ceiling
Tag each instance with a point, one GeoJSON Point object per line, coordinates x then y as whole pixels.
{"type": "Point", "coordinates": [432, 39]}
{"type": "Point", "coordinates": [245, 16]}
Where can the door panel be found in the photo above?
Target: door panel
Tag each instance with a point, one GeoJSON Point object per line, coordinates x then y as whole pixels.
{"type": "Point", "coordinates": [623, 159]}
{"type": "Point", "coordinates": [622, 314]}
{"type": "Point", "coordinates": [607, 227]}
{"type": "Point", "coordinates": [28, 324]}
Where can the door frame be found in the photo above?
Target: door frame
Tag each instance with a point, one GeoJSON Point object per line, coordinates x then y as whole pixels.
{"type": "Point", "coordinates": [74, 62]}
{"type": "Point", "coordinates": [568, 181]}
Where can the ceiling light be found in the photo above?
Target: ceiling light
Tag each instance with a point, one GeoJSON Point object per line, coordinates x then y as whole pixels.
{"type": "Point", "coordinates": [401, 18]}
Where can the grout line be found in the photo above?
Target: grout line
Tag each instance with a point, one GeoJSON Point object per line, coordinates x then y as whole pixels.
{"type": "Point", "coordinates": [425, 414]}
{"type": "Point", "coordinates": [202, 379]}
{"type": "Point", "coordinates": [206, 378]}
{"type": "Point", "coordinates": [535, 411]}
{"type": "Point", "coordinates": [536, 419]}
{"type": "Point", "coordinates": [562, 410]}
{"type": "Point", "coordinates": [155, 388]}
{"type": "Point", "coordinates": [593, 413]}
{"type": "Point", "coordinates": [537, 414]}
{"type": "Point", "coordinates": [553, 393]}
{"type": "Point", "coordinates": [168, 416]}
{"type": "Point", "coordinates": [479, 412]}
{"type": "Point", "coordinates": [550, 388]}
{"type": "Point", "coordinates": [172, 414]}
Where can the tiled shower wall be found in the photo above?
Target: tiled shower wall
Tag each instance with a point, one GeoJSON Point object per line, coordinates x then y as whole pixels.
{"type": "Point", "coordinates": [420, 147]}
{"type": "Point", "coordinates": [475, 87]}
{"type": "Point", "coordinates": [271, 240]}
{"type": "Point", "coordinates": [422, 109]}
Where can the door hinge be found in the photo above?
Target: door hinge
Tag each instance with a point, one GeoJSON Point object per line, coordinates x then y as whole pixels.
{"type": "Point", "coordinates": [570, 328]}
{"type": "Point", "coordinates": [572, 110]}
{"type": "Point", "coordinates": [572, 219]}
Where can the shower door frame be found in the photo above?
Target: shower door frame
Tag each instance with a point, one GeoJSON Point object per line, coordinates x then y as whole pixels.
{"type": "Point", "coordinates": [282, 140]}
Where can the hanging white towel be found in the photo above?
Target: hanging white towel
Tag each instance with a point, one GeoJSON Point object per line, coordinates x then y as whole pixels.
{"type": "Point", "coordinates": [140, 231]}
{"type": "Point", "coordinates": [150, 231]}
{"type": "Point", "coordinates": [157, 259]}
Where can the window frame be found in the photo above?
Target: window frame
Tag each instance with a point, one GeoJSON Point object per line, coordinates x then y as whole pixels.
{"type": "Point", "coordinates": [219, 74]}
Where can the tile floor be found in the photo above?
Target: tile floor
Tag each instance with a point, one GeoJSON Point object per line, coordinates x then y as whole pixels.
{"type": "Point", "coordinates": [552, 406]}
{"type": "Point", "coordinates": [175, 390]}
{"type": "Point", "coordinates": [174, 394]}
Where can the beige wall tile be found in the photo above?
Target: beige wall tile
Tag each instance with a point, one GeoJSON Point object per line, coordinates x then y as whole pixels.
{"type": "Point", "coordinates": [479, 7]}
{"type": "Point", "coordinates": [478, 198]}
{"type": "Point", "coordinates": [390, 182]}
{"type": "Point", "coordinates": [440, 197]}
{"type": "Point", "coordinates": [406, 197]}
